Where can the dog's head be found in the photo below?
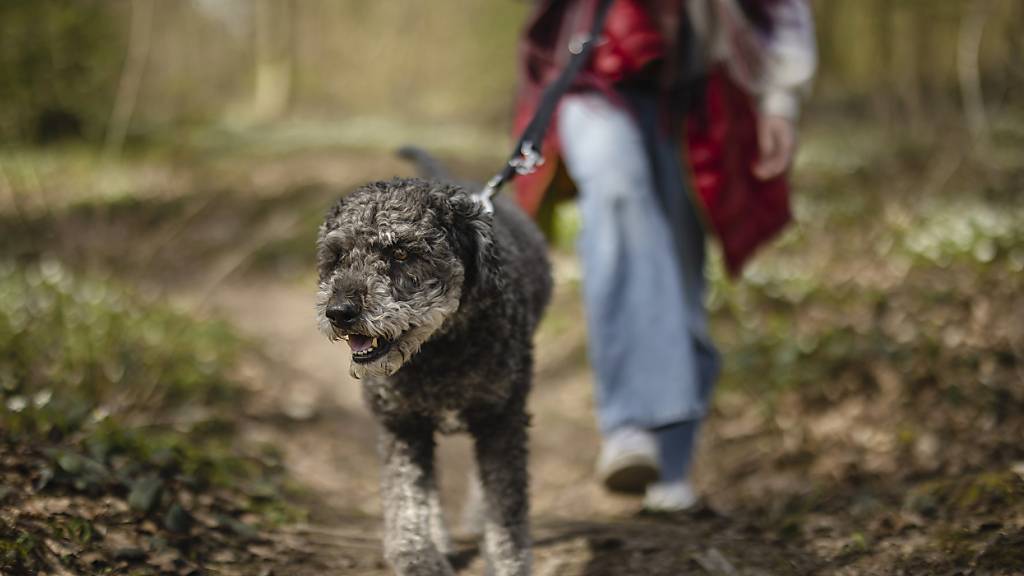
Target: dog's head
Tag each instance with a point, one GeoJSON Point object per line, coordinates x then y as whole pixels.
{"type": "Point", "coordinates": [395, 260]}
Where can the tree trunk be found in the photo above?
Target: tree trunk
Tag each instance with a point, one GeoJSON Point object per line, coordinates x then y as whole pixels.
{"type": "Point", "coordinates": [273, 67]}
{"type": "Point", "coordinates": [131, 76]}
{"type": "Point", "coordinates": [972, 30]}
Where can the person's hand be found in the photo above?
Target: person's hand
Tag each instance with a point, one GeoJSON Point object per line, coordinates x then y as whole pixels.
{"type": "Point", "coordinates": [776, 140]}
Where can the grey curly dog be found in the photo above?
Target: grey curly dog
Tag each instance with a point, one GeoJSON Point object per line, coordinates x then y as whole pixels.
{"type": "Point", "coordinates": [438, 301]}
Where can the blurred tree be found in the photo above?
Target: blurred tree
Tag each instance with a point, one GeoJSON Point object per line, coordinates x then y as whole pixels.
{"type": "Point", "coordinates": [905, 62]}
{"type": "Point", "coordinates": [131, 77]}
{"type": "Point", "coordinates": [274, 60]}
{"type": "Point", "coordinates": [972, 29]}
{"type": "Point", "coordinates": [59, 61]}
{"type": "Point", "coordinates": [914, 60]}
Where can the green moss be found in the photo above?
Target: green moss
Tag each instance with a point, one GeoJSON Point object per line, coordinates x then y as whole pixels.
{"type": "Point", "coordinates": [99, 389]}
{"type": "Point", "coordinates": [984, 492]}
{"type": "Point", "coordinates": [990, 491]}
{"type": "Point", "coordinates": [77, 530]}
{"type": "Point", "coordinates": [958, 546]}
{"type": "Point", "coordinates": [79, 350]}
{"type": "Point", "coordinates": [18, 550]}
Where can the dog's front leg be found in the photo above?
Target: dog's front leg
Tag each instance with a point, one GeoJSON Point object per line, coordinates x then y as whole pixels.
{"type": "Point", "coordinates": [438, 531]}
{"type": "Point", "coordinates": [501, 457]}
{"type": "Point", "coordinates": [409, 495]}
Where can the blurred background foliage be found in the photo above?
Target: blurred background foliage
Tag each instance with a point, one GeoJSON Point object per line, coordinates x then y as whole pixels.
{"type": "Point", "coordinates": [59, 65]}
{"type": "Point", "coordinates": [162, 161]}
{"type": "Point", "coordinates": [66, 65]}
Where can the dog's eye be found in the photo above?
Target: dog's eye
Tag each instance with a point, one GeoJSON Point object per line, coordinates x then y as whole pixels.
{"type": "Point", "coordinates": [399, 255]}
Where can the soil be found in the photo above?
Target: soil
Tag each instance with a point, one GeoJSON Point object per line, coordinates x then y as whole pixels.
{"type": "Point", "coordinates": [810, 486]}
{"type": "Point", "coordinates": [306, 404]}
{"type": "Point", "coordinates": [896, 462]}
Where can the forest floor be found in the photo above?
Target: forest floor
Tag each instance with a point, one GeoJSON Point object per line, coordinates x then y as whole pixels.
{"type": "Point", "coordinates": [169, 407]}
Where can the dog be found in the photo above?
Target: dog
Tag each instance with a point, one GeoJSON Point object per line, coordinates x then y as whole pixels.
{"type": "Point", "coordinates": [438, 300]}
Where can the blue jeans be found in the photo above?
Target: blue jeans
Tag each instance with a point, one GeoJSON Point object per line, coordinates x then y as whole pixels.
{"type": "Point", "coordinates": [642, 250]}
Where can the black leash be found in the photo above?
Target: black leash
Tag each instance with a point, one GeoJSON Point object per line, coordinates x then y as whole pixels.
{"type": "Point", "coordinates": [527, 155]}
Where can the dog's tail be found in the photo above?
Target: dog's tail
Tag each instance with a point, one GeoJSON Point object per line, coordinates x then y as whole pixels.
{"type": "Point", "coordinates": [426, 163]}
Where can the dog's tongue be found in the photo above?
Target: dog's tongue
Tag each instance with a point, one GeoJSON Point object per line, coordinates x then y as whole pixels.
{"type": "Point", "coordinates": [359, 343]}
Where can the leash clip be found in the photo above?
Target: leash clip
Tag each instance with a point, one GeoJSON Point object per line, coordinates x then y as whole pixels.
{"type": "Point", "coordinates": [484, 196]}
{"type": "Point", "coordinates": [528, 161]}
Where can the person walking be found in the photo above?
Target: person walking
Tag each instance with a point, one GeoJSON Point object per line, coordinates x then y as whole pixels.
{"type": "Point", "coordinates": [685, 116]}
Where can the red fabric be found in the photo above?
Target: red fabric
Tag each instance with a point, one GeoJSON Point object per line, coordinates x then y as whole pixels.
{"type": "Point", "coordinates": [631, 41]}
{"type": "Point", "coordinates": [743, 212]}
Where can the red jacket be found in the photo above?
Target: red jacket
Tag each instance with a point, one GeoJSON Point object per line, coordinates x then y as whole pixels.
{"type": "Point", "coordinates": [720, 137]}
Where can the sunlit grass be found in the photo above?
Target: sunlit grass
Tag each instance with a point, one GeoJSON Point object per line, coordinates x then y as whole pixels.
{"type": "Point", "coordinates": [109, 394]}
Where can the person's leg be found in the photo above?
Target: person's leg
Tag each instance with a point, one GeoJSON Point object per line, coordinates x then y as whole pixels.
{"type": "Point", "coordinates": [677, 442]}
{"type": "Point", "coordinates": [677, 446]}
{"type": "Point", "coordinates": [641, 339]}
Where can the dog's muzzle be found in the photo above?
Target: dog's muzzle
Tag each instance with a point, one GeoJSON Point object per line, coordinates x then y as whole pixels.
{"type": "Point", "coordinates": [343, 315]}
{"type": "Point", "coordinates": [366, 348]}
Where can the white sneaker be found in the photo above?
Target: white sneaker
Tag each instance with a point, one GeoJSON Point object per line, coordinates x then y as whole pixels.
{"type": "Point", "coordinates": [628, 461]}
{"type": "Point", "coordinates": [677, 496]}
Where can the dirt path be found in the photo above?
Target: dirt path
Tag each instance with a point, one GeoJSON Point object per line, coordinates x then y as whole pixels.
{"type": "Point", "coordinates": [811, 485]}
{"type": "Point", "coordinates": [309, 407]}
{"type": "Point", "coordinates": [872, 423]}
{"type": "Point", "coordinates": [236, 253]}
{"type": "Point", "coordinates": [868, 422]}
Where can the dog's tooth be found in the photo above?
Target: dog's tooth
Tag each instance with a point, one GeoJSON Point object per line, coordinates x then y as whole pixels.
{"type": "Point", "coordinates": [373, 343]}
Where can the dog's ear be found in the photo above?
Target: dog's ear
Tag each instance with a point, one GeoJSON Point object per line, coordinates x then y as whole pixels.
{"type": "Point", "coordinates": [474, 238]}
{"type": "Point", "coordinates": [326, 254]}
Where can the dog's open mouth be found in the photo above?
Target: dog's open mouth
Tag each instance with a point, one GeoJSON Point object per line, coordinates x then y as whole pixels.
{"type": "Point", "coordinates": [367, 348]}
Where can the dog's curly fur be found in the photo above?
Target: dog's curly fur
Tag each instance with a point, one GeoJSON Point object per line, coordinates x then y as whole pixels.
{"type": "Point", "coordinates": [453, 294]}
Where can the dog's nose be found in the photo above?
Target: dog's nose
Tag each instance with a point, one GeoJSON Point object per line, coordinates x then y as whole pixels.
{"type": "Point", "coordinates": [343, 314]}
